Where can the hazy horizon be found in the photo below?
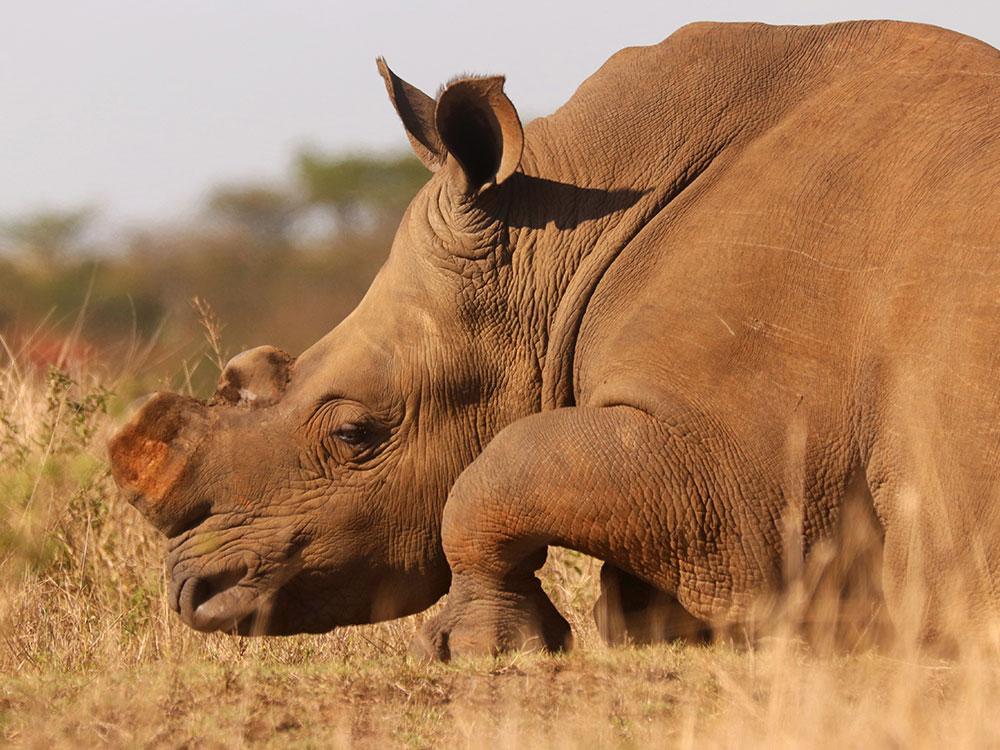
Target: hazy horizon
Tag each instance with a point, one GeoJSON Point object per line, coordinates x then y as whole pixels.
{"type": "Point", "coordinates": [136, 109]}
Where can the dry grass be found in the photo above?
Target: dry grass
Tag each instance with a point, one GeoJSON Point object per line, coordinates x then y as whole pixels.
{"type": "Point", "coordinates": [91, 656]}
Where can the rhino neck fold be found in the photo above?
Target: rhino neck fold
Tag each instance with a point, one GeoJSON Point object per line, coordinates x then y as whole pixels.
{"type": "Point", "coordinates": [558, 365]}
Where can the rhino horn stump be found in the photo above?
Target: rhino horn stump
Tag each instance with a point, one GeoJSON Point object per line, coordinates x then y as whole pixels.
{"type": "Point", "coordinates": [255, 378]}
{"type": "Point", "coordinates": [150, 455]}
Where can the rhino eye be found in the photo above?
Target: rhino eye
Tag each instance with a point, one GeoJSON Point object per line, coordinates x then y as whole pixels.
{"type": "Point", "coordinates": [351, 433]}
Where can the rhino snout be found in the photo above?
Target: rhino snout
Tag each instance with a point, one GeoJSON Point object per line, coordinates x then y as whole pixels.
{"type": "Point", "coordinates": [151, 454]}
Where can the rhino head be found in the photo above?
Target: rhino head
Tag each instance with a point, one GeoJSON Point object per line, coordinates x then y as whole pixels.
{"type": "Point", "coordinates": [307, 493]}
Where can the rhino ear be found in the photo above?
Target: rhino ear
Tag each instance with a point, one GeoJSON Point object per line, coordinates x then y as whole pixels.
{"type": "Point", "coordinates": [480, 129]}
{"type": "Point", "coordinates": [472, 121]}
{"type": "Point", "coordinates": [416, 110]}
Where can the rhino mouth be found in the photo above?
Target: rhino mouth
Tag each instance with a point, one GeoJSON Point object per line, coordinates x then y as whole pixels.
{"type": "Point", "coordinates": [222, 602]}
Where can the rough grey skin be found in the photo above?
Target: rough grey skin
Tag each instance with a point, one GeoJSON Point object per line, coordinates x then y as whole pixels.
{"type": "Point", "coordinates": [743, 281]}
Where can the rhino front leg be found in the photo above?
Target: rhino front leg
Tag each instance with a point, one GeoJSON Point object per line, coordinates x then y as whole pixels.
{"type": "Point", "coordinates": [611, 482]}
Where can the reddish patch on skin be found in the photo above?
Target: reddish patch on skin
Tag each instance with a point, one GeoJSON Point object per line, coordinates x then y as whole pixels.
{"type": "Point", "coordinates": [136, 465]}
{"type": "Point", "coordinates": [142, 465]}
{"type": "Point", "coordinates": [151, 454]}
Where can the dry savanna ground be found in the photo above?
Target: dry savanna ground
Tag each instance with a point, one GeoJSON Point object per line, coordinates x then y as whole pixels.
{"type": "Point", "coordinates": [90, 655]}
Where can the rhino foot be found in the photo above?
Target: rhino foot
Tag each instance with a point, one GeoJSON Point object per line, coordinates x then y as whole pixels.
{"type": "Point", "coordinates": [487, 625]}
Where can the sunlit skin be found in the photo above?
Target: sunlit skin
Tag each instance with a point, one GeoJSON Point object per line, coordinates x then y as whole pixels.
{"type": "Point", "coordinates": [730, 293]}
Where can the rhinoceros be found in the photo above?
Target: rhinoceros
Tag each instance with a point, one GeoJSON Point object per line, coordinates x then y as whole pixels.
{"type": "Point", "coordinates": [741, 277]}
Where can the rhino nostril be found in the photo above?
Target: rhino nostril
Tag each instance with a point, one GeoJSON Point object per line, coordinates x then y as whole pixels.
{"type": "Point", "coordinates": [203, 589]}
{"type": "Point", "coordinates": [201, 592]}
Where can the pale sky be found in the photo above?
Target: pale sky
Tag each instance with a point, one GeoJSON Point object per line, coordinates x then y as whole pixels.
{"type": "Point", "coordinates": [138, 106]}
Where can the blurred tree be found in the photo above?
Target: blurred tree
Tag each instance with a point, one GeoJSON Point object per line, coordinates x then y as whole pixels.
{"type": "Point", "coordinates": [49, 235]}
{"type": "Point", "coordinates": [272, 280]}
{"type": "Point", "coordinates": [267, 214]}
{"type": "Point", "coordinates": [355, 188]}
